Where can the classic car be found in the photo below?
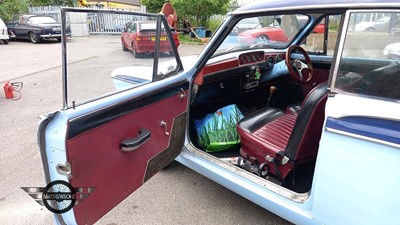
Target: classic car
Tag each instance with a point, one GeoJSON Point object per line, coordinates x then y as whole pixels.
{"type": "Point", "coordinates": [3, 32]}
{"type": "Point", "coordinates": [139, 37]}
{"type": "Point", "coordinates": [392, 51]}
{"type": "Point", "coordinates": [248, 24]}
{"type": "Point", "coordinates": [34, 28]}
{"type": "Point", "coordinates": [273, 32]}
{"type": "Point", "coordinates": [318, 118]}
{"type": "Point", "coordinates": [383, 24]}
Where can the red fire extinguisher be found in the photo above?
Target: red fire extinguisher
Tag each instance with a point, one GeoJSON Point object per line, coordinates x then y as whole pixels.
{"type": "Point", "coordinates": [8, 90]}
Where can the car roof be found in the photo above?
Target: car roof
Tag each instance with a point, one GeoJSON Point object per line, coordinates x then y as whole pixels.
{"type": "Point", "coordinates": [277, 5]}
{"type": "Point", "coordinates": [146, 21]}
{"type": "Point", "coordinates": [2, 24]}
{"type": "Point", "coordinates": [31, 15]}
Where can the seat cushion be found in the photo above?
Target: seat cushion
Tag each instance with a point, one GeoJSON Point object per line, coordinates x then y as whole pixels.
{"type": "Point", "coordinates": [267, 137]}
{"type": "Point", "coordinates": [276, 133]}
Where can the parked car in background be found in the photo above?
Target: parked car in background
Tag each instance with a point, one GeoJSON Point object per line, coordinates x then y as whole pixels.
{"type": "Point", "coordinates": [392, 51]}
{"type": "Point", "coordinates": [3, 32]}
{"type": "Point", "coordinates": [248, 24]}
{"type": "Point", "coordinates": [380, 25]}
{"type": "Point", "coordinates": [34, 28]}
{"type": "Point", "coordinates": [139, 37]}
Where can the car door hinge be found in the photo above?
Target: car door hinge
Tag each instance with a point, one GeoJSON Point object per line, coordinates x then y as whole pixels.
{"type": "Point", "coordinates": [332, 94]}
{"type": "Point", "coordinates": [64, 169]}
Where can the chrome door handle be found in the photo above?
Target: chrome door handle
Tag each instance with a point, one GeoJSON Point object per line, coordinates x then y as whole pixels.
{"type": "Point", "coordinates": [130, 144]}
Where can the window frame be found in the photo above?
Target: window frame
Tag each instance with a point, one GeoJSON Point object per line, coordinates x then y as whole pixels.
{"type": "Point", "coordinates": [160, 19]}
{"type": "Point", "coordinates": [338, 55]}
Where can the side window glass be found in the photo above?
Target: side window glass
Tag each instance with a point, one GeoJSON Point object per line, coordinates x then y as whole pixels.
{"type": "Point", "coordinates": [15, 19]}
{"type": "Point", "coordinates": [133, 27]}
{"type": "Point", "coordinates": [103, 58]}
{"type": "Point", "coordinates": [315, 41]}
{"type": "Point", "coordinates": [23, 21]}
{"type": "Point", "coordinates": [370, 62]}
{"type": "Point", "coordinates": [129, 27]}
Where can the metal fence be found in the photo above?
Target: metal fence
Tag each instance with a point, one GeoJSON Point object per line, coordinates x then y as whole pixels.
{"type": "Point", "coordinates": [98, 23]}
{"type": "Point", "coordinates": [107, 24]}
{"type": "Point", "coordinates": [53, 11]}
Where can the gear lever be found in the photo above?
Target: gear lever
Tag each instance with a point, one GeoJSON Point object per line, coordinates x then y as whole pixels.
{"type": "Point", "coordinates": [272, 90]}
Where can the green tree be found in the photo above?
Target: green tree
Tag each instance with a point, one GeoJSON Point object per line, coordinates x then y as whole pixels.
{"type": "Point", "coordinates": [8, 8]}
{"type": "Point", "coordinates": [52, 2]}
{"type": "Point", "coordinates": [153, 6]}
{"type": "Point", "coordinates": [200, 9]}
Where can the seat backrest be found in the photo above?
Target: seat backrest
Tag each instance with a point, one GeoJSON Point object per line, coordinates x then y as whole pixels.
{"type": "Point", "coordinates": [382, 82]}
{"type": "Point", "coordinates": [304, 139]}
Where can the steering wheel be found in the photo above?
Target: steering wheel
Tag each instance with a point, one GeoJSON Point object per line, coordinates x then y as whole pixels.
{"type": "Point", "coordinates": [300, 71]}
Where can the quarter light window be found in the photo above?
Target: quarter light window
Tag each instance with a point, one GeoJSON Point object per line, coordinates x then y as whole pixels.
{"type": "Point", "coordinates": [316, 40]}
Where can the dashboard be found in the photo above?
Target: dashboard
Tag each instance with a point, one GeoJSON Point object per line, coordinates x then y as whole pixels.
{"type": "Point", "coordinates": [236, 75]}
{"type": "Point", "coordinates": [250, 65]}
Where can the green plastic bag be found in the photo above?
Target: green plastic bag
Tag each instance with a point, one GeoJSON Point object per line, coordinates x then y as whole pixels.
{"type": "Point", "coordinates": [217, 131]}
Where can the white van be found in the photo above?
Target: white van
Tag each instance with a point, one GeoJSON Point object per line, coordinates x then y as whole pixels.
{"type": "Point", "coordinates": [3, 32]}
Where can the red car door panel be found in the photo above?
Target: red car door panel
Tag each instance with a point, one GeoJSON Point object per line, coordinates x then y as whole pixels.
{"type": "Point", "coordinates": [114, 173]}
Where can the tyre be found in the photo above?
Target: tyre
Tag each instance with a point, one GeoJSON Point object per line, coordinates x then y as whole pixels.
{"type": "Point", "coordinates": [6, 42]}
{"type": "Point", "coordinates": [135, 53]}
{"type": "Point", "coordinates": [59, 39]}
{"type": "Point", "coordinates": [262, 39]}
{"type": "Point", "coordinates": [124, 48]}
{"type": "Point", "coordinates": [34, 38]}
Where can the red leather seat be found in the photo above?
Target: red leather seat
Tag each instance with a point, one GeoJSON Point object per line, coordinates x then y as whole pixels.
{"type": "Point", "coordinates": [281, 139]}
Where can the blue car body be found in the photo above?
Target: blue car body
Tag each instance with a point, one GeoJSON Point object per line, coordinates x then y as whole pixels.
{"type": "Point", "coordinates": [353, 179]}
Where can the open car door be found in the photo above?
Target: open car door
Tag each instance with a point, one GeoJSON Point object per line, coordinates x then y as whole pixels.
{"type": "Point", "coordinates": [106, 141]}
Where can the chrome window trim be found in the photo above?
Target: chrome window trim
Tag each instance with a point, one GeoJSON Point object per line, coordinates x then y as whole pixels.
{"type": "Point", "coordinates": [361, 137]}
{"type": "Point", "coordinates": [339, 51]}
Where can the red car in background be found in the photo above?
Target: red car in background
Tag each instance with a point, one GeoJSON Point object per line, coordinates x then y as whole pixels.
{"type": "Point", "coordinates": [274, 33]}
{"type": "Point", "coordinates": [140, 36]}
{"type": "Point", "coordinates": [263, 35]}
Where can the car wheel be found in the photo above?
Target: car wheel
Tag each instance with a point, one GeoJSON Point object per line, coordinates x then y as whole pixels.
{"type": "Point", "coordinates": [134, 52]}
{"type": "Point", "coordinates": [262, 39]}
{"type": "Point", "coordinates": [124, 48]}
{"type": "Point", "coordinates": [34, 38]}
{"type": "Point", "coordinates": [370, 29]}
{"type": "Point", "coordinates": [6, 42]}
{"type": "Point", "coordinates": [59, 39]}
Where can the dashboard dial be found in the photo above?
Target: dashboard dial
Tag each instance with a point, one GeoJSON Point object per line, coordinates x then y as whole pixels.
{"type": "Point", "coordinates": [242, 59]}
{"type": "Point", "coordinates": [251, 57]}
{"type": "Point", "coordinates": [278, 58]}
